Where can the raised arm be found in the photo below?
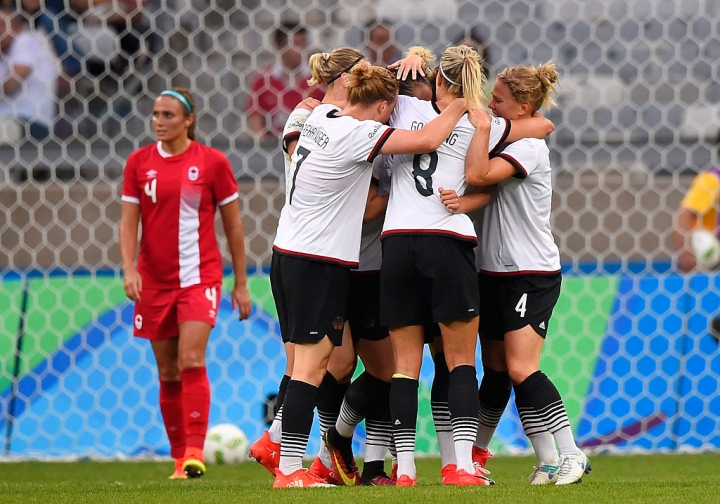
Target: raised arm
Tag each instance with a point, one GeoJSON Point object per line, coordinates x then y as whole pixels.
{"type": "Point", "coordinates": [429, 137]}
{"type": "Point", "coordinates": [536, 126]}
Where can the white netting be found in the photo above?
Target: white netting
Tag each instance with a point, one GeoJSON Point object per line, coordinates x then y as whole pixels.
{"type": "Point", "coordinates": [638, 115]}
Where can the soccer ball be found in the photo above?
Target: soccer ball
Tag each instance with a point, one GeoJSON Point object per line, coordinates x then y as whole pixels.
{"type": "Point", "coordinates": [225, 444]}
{"type": "Point", "coordinates": [706, 247]}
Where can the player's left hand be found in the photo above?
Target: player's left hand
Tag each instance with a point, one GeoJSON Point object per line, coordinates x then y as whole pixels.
{"type": "Point", "coordinates": [409, 65]}
{"type": "Point", "coordinates": [450, 199]}
{"type": "Point", "coordinates": [241, 299]}
{"type": "Point", "coordinates": [479, 118]}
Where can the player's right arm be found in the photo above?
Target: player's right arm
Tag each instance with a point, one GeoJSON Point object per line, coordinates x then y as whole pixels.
{"type": "Point", "coordinates": [129, 226]}
{"type": "Point", "coordinates": [536, 126]}
{"type": "Point", "coordinates": [429, 137]}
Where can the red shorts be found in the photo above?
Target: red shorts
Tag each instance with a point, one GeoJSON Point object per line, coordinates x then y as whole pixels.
{"type": "Point", "coordinates": [159, 312]}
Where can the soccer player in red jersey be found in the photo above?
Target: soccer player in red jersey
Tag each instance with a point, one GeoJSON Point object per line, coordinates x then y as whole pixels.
{"type": "Point", "coordinates": [174, 186]}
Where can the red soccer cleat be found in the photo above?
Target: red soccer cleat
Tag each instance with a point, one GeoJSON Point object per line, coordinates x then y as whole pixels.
{"type": "Point", "coordinates": [301, 478]}
{"type": "Point", "coordinates": [463, 478]}
{"type": "Point", "coordinates": [324, 473]}
{"type": "Point", "coordinates": [480, 457]}
{"type": "Point", "coordinates": [406, 481]}
{"type": "Point", "coordinates": [266, 452]}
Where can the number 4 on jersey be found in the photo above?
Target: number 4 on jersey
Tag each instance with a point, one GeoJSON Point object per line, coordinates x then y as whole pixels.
{"type": "Point", "coordinates": [521, 306]}
{"type": "Point", "coordinates": [151, 190]}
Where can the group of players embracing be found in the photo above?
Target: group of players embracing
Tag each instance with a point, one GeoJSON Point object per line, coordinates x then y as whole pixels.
{"type": "Point", "coordinates": [378, 253]}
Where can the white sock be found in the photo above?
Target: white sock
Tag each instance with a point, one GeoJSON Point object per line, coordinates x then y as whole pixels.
{"type": "Point", "coordinates": [543, 444]}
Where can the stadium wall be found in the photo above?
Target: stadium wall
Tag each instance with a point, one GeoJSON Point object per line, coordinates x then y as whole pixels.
{"type": "Point", "coordinates": [630, 354]}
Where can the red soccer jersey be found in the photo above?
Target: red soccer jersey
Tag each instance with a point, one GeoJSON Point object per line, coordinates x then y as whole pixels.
{"type": "Point", "coordinates": [274, 94]}
{"type": "Point", "coordinates": [178, 197]}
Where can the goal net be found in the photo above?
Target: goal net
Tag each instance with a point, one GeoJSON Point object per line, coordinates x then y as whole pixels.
{"type": "Point", "coordinates": [637, 117]}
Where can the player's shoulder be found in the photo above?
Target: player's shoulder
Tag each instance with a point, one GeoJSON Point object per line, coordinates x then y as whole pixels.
{"type": "Point", "coordinates": [143, 152]}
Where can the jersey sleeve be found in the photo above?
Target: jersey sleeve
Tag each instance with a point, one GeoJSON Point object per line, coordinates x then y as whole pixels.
{"type": "Point", "coordinates": [703, 194]}
{"type": "Point", "coordinates": [130, 189]}
{"type": "Point", "coordinates": [522, 156]}
{"type": "Point", "coordinates": [368, 139]}
{"type": "Point", "coordinates": [294, 126]}
{"type": "Point", "coordinates": [225, 185]}
{"type": "Point", "coordinates": [499, 131]}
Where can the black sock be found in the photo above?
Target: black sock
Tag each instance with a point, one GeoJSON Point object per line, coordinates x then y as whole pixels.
{"type": "Point", "coordinates": [329, 398]}
{"type": "Point", "coordinates": [281, 392]}
{"type": "Point", "coordinates": [540, 400]}
{"type": "Point", "coordinates": [439, 394]}
{"type": "Point", "coordinates": [297, 418]}
{"type": "Point", "coordinates": [403, 410]}
{"type": "Point", "coordinates": [365, 392]}
{"type": "Point", "coordinates": [463, 403]}
{"type": "Point", "coordinates": [494, 395]}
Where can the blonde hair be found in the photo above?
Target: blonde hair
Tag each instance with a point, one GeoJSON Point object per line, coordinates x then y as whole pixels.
{"type": "Point", "coordinates": [326, 68]}
{"type": "Point", "coordinates": [532, 85]}
{"type": "Point", "coordinates": [368, 85]}
{"type": "Point", "coordinates": [410, 84]}
{"type": "Point", "coordinates": [461, 68]}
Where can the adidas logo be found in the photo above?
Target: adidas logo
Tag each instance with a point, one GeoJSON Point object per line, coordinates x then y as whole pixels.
{"type": "Point", "coordinates": [542, 325]}
{"type": "Point", "coordinates": [397, 422]}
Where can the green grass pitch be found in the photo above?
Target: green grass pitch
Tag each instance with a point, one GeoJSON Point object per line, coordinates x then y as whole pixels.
{"type": "Point", "coordinates": [685, 478]}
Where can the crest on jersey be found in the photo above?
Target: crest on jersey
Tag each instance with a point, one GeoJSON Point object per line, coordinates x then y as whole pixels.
{"type": "Point", "coordinates": [151, 173]}
{"type": "Point", "coordinates": [193, 173]}
{"type": "Point", "coordinates": [338, 323]}
{"type": "Point", "coordinates": [138, 321]}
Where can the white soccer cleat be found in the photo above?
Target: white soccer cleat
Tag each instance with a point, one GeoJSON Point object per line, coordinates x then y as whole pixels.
{"type": "Point", "coordinates": [572, 468]}
{"type": "Point", "coordinates": [545, 474]}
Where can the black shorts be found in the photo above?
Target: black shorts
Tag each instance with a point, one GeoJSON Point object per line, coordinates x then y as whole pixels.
{"type": "Point", "coordinates": [311, 298]}
{"type": "Point", "coordinates": [364, 307]}
{"type": "Point", "coordinates": [508, 303]}
{"type": "Point", "coordinates": [426, 279]}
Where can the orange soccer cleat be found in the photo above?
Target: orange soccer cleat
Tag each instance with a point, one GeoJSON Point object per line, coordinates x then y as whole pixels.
{"type": "Point", "coordinates": [266, 452]}
{"type": "Point", "coordinates": [302, 478]}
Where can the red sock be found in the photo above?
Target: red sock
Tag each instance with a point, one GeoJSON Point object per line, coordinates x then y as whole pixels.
{"type": "Point", "coordinates": [171, 407]}
{"type": "Point", "coordinates": [196, 405]}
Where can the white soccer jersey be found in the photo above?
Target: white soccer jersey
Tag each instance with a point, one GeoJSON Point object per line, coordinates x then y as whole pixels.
{"type": "Point", "coordinates": [414, 206]}
{"type": "Point", "coordinates": [370, 246]}
{"type": "Point", "coordinates": [516, 235]}
{"type": "Point", "coordinates": [328, 187]}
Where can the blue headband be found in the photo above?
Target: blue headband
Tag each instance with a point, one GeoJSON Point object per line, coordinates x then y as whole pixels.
{"type": "Point", "coordinates": [179, 96]}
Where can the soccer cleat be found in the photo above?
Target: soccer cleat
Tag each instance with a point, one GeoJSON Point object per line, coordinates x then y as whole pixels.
{"type": "Point", "coordinates": [266, 452]}
{"type": "Point", "coordinates": [301, 478]}
{"type": "Point", "coordinates": [460, 477]}
{"type": "Point", "coordinates": [378, 480]}
{"type": "Point", "coordinates": [193, 462]}
{"type": "Point", "coordinates": [446, 471]}
{"type": "Point", "coordinates": [342, 457]}
{"type": "Point", "coordinates": [393, 473]}
{"type": "Point", "coordinates": [545, 474]}
{"type": "Point", "coordinates": [480, 457]}
{"type": "Point", "coordinates": [406, 481]}
{"type": "Point", "coordinates": [324, 473]}
{"type": "Point", "coordinates": [179, 473]}
{"type": "Point", "coordinates": [572, 468]}
{"type": "Point", "coordinates": [194, 468]}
